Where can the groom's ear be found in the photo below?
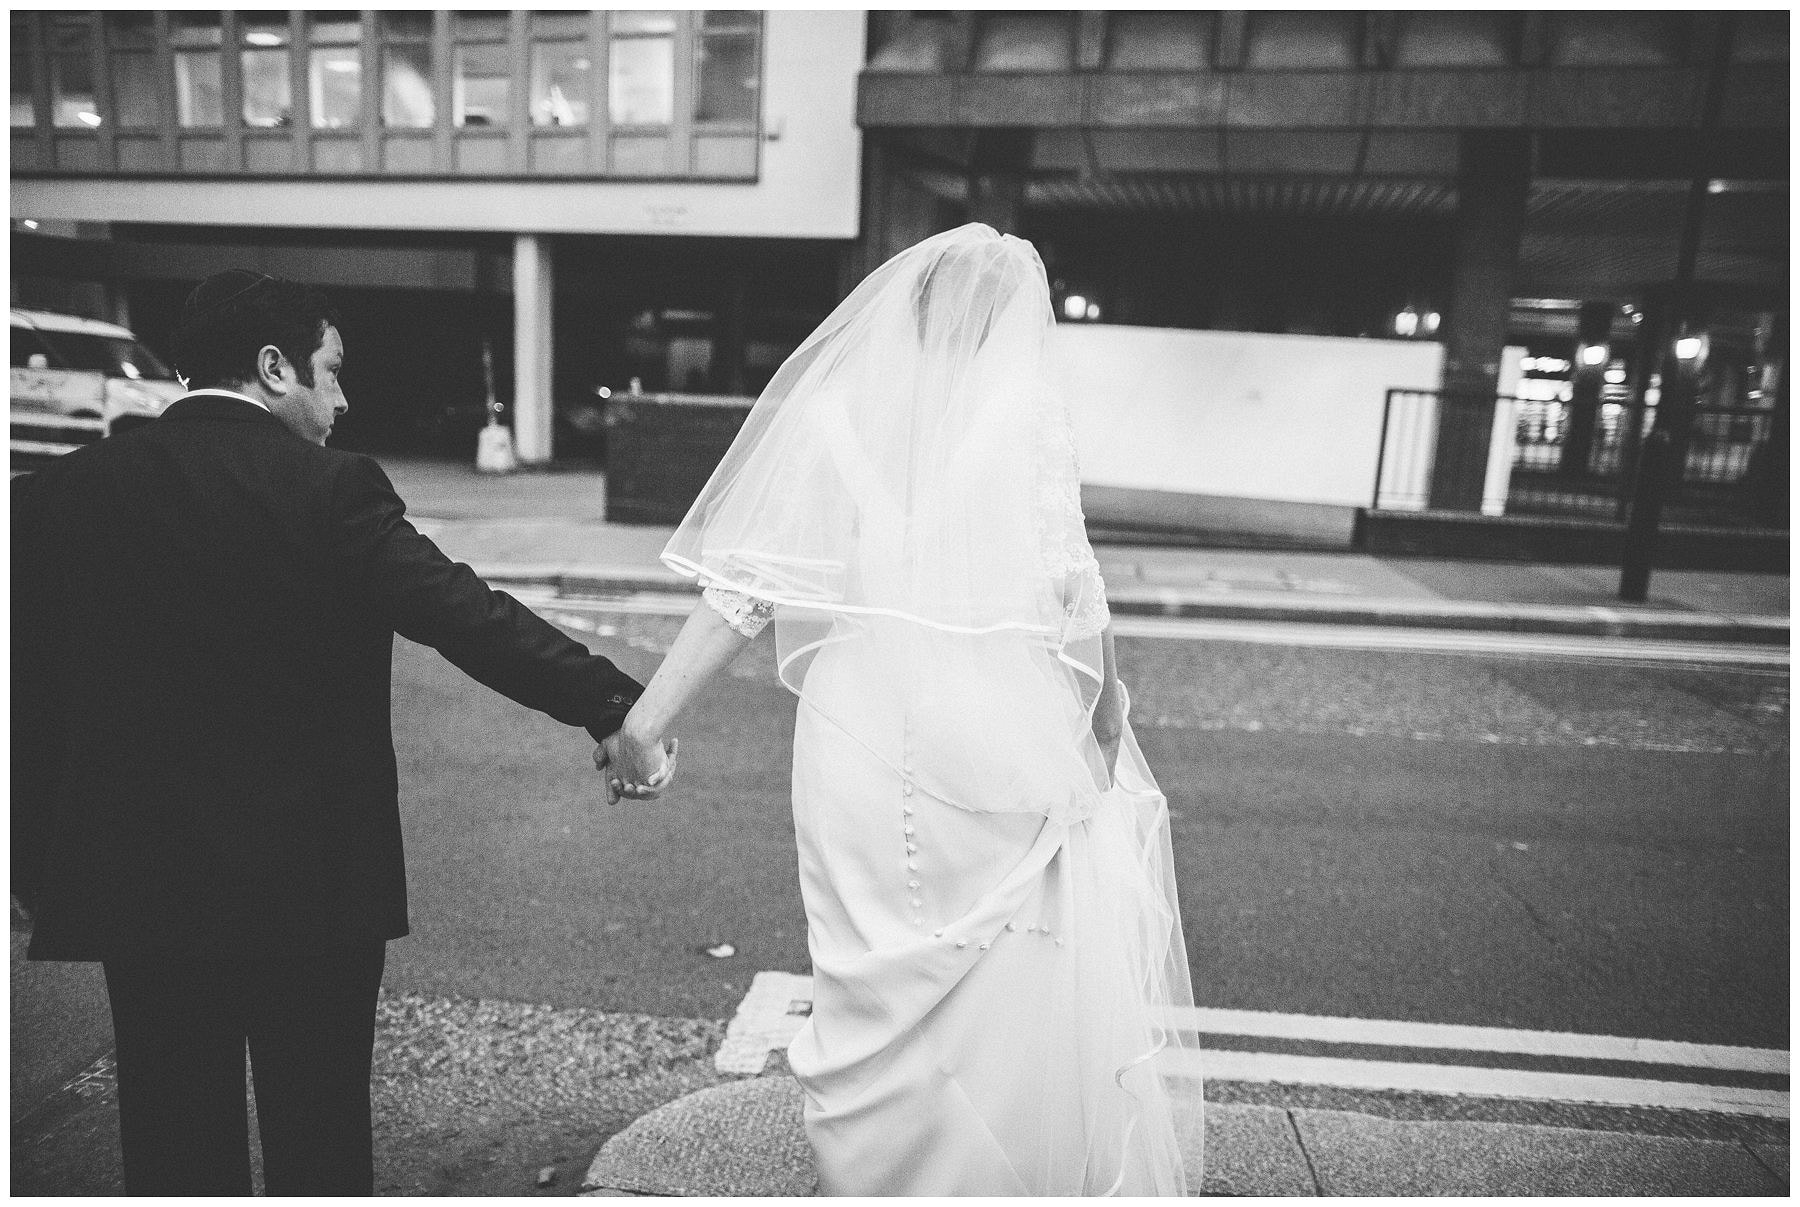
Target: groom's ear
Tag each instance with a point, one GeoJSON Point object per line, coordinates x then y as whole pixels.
{"type": "Point", "coordinates": [270, 369]}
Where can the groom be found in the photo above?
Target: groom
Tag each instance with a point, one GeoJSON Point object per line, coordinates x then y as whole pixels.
{"type": "Point", "coordinates": [205, 797]}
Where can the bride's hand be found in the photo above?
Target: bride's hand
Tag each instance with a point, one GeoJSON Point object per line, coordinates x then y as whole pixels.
{"type": "Point", "coordinates": [635, 767]}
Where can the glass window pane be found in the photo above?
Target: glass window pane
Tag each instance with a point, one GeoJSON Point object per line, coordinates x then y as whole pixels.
{"type": "Point", "coordinates": [634, 21]}
{"type": "Point", "coordinates": [268, 90]}
{"type": "Point", "coordinates": [137, 96]}
{"type": "Point", "coordinates": [69, 33]}
{"type": "Point", "coordinates": [199, 93]}
{"type": "Point", "coordinates": [72, 91]}
{"type": "Point", "coordinates": [335, 27]}
{"type": "Point", "coordinates": [195, 29]}
{"type": "Point", "coordinates": [406, 101]}
{"type": "Point", "coordinates": [268, 28]}
{"type": "Point", "coordinates": [482, 25]}
{"type": "Point", "coordinates": [24, 113]}
{"type": "Point", "coordinates": [482, 81]}
{"type": "Point", "coordinates": [728, 81]}
{"type": "Point", "coordinates": [334, 87]}
{"type": "Point", "coordinates": [642, 82]}
{"type": "Point", "coordinates": [405, 23]}
{"type": "Point", "coordinates": [561, 23]}
{"type": "Point", "coordinates": [131, 29]}
{"type": "Point", "coordinates": [560, 72]}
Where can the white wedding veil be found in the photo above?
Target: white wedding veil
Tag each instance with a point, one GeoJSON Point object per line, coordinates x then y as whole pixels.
{"type": "Point", "coordinates": [907, 478]}
{"type": "Point", "coordinates": [905, 493]}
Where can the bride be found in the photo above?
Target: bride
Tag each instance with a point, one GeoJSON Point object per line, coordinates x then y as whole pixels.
{"type": "Point", "coordinates": [984, 856]}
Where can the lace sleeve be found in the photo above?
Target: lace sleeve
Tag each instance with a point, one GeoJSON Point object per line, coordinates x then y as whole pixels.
{"type": "Point", "coordinates": [747, 614]}
{"type": "Point", "coordinates": [1067, 556]}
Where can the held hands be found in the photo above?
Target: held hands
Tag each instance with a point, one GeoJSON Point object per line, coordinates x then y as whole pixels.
{"type": "Point", "coordinates": [635, 767]}
{"type": "Point", "coordinates": [1109, 729]}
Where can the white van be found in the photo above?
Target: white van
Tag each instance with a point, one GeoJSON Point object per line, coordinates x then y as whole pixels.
{"type": "Point", "coordinates": [75, 380]}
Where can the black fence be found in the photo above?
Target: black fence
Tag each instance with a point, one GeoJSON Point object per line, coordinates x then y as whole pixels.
{"type": "Point", "coordinates": [1530, 464]}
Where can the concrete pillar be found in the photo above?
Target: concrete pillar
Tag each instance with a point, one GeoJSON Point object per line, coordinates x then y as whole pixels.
{"type": "Point", "coordinates": [532, 407]}
{"type": "Point", "coordinates": [1492, 181]}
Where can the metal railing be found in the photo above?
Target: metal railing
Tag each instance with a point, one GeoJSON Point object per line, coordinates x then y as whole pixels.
{"type": "Point", "coordinates": [1525, 468]}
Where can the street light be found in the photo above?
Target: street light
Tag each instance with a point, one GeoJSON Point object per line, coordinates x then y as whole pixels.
{"type": "Point", "coordinates": [1595, 355]}
{"type": "Point", "coordinates": [1690, 350]}
{"type": "Point", "coordinates": [1075, 306]}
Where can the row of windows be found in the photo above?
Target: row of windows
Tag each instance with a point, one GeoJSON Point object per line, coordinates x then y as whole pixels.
{"type": "Point", "coordinates": [331, 51]}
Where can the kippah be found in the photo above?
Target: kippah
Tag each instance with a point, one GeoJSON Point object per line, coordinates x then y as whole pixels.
{"type": "Point", "coordinates": [220, 288]}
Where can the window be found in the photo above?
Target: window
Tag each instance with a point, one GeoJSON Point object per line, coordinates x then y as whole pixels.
{"type": "Point", "coordinates": [115, 357]}
{"type": "Point", "coordinates": [24, 109]}
{"type": "Point", "coordinates": [28, 351]}
{"type": "Point", "coordinates": [642, 80]}
{"type": "Point", "coordinates": [268, 84]}
{"type": "Point", "coordinates": [72, 72]}
{"type": "Point", "coordinates": [482, 92]}
{"type": "Point", "coordinates": [561, 71]}
{"type": "Point", "coordinates": [199, 88]}
{"type": "Point", "coordinates": [727, 68]}
{"type": "Point", "coordinates": [137, 91]}
{"type": "Point", "coordinates": [406, 96]}
{"type": "Point", "coordinates": [334, 69]}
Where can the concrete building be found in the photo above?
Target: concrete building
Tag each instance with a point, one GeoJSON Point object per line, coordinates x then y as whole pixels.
{"type": "Point", "coordinates": [600, 196]}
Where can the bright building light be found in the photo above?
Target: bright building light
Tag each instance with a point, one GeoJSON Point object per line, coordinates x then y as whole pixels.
{"type": "Point", "coordinates": [1406, 322]}
{"type": "Point", "coordinates": [262, 38]}
{"type": "Point", "coordinates": [1690, 347]}
{"type": "Point", "coordinates": [1075, 306]}
{"type": "Point", "coordinates": [1432, 319]}
{"type": "Point", "coordinates": [1093, 310]}
{"type": "Point", "coordinates": [92, 119]}
{"type": "Point", "coordinates": [1593, 355]}
{"type": "Point", "coordinates": [1615, 377]}
{"type": "Point", "coordinates": [31, 224]}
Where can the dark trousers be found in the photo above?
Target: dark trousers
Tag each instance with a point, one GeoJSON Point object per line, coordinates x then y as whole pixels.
{"type": "Point", "coordinates": [181, 1028]}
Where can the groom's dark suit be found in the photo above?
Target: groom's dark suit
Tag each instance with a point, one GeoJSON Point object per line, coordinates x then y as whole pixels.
{"type": "Point", "coordinates": [203, 765]}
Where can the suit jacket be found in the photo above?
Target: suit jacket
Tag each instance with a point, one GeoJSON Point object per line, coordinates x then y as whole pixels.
{"type": "Point", "coordinates": [203, 621]}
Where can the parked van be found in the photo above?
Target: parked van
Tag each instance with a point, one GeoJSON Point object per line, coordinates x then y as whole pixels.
{"type": "Point", "coordinates": [75, 380]}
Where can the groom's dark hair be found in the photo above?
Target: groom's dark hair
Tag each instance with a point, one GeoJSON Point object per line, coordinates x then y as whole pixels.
{"type": "Point", "coordinates": [232, 315]}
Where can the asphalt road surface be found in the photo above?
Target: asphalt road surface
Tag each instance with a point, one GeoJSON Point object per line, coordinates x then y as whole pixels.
{"type": "Point", "coordinates": [1557, 843]}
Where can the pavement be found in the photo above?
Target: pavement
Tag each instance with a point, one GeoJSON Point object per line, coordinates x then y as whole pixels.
{"type": "Point", "coordinates": [744, 1137]}
{"type": "Point", "coordinates": [548, 528]}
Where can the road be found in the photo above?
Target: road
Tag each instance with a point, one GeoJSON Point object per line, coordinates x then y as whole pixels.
{"type": "Point", "coordinates": [1480, 838]}
{"type": "Point", "coordinates": [1522, 836]}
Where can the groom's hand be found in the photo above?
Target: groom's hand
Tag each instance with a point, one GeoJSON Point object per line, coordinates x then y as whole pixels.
{"type": "Point", "coordinates": [635, 768]}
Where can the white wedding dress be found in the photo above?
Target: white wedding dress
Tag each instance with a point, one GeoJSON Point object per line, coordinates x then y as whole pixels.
{"type": "Point", "coordinates": [995, 945]}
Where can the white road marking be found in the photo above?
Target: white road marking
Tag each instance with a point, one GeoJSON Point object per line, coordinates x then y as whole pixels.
{"type": "Point", "coordinates": [1393, 1034]}
{"type": "Point", "coordinates": [774, 1010]}
{"type": "Point", "coordinates": [1450, 641]}
{"type": "Point", "coordinates": [1293, 633]}
{"type": "Point", "coordinates": [769, 1017]}
{"type": "Point", "coordinates": [1468, 1081]}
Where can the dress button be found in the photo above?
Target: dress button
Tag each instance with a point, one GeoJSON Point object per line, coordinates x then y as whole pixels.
{"type": "Point", "coordinates": [1012, 926]}
{"type": "Point", "coordinates": [984, 947]}
{"type": "Point", "coordinates": [908, 810]}
{"type": "Point", "coordinates": [907, 790]}
{"type": "Point", "coordinates": [937, 934]}
{"type": "Point", "coordinates": [911, 849]}
{"type": "Point", "coordinates": [912, 865]}
{"type": "Point", "coordinates": [909, 831]}
{"type": "Point", "coordinates": [962, 942]}
{"type": "Point", "coordinates": [916, 903]}
{"type": "Point", "coordinates": [912, 884]}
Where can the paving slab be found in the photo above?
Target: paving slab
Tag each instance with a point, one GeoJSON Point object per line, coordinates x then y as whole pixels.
{"type": "Point", "coordinates": [743, 1138]}
{"type": "Point", "coordinates": [1248, 1151]}
{"type": "Point", "coordinates": [1355, 1154]}
{"type": "Point", "coordinates": [1775, 1156]}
